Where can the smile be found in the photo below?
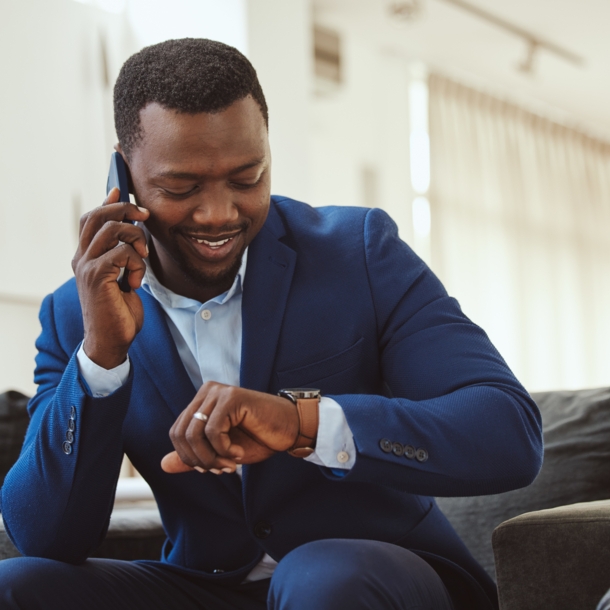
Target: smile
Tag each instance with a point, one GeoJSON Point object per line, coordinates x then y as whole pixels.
{"type": "Point", "coordinates": [215, 248]}
{"type": "Point", "coordinates": [213, 244]}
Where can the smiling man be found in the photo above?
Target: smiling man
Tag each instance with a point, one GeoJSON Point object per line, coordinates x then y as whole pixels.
{"type": "Point", "coordinates": [294, 383]}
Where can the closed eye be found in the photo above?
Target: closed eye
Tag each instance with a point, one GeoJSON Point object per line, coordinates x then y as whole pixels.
{"type": "Point", "coordinates": [244, 186]}
{"type": "Point", "coordinates": [181, 194]}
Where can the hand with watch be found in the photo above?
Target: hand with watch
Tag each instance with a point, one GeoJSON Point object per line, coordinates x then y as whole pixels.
{"type": "Point", "coordinates": [225, 426]}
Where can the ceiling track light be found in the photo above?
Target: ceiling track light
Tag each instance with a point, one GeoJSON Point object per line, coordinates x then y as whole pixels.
{"type": "Point", "coordinates": [406, 10]}
{"type": "Point", "coordinates": [534, 43]}
{"type": "Point", "coordinates": [527, 65]}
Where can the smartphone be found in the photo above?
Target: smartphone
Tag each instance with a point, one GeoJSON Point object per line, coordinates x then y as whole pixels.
{"type": "Point", "coordinates": [118, 176]}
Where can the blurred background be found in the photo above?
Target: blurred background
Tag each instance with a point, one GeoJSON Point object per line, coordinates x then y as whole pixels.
{"type": "Point", "coordinates": [481, 126]}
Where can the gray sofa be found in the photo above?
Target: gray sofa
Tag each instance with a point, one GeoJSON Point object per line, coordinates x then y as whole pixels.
{"type": "Point", "coordinates": [551, 540]}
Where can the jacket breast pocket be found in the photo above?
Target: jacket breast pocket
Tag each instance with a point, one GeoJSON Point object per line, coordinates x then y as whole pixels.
{"type": "Point", "coordinates": [328, 374]}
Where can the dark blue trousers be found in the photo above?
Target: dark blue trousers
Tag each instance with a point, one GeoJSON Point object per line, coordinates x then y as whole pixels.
{"type": "Point", "coordinates": [322, 575]}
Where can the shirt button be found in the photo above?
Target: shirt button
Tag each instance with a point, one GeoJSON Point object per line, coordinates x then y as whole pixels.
{"type": "Point", "coordinates": [342, 457]}
{"type": "Point", "coordinates": [262, 530]}
{"type": "Point", "coordinates": [386, 445]}
{"type": "Point", "coordinates": [421, 455]}
{"type": "Point", "coordinates": [206, 314]}
{"type": "Point", "coordinates": [67, 447]}
{"type": "Point", "coordinates": [218, 571]}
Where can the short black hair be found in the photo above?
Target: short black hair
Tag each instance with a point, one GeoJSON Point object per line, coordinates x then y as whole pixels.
{"type": "Point", "coordinates": [190, 75]}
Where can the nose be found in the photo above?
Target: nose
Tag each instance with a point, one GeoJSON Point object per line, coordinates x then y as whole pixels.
{"type": "Point", "coordinates": [216, 207]}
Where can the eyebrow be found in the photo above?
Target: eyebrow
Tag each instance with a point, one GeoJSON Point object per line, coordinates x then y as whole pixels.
{"type": "Point", "coordinates": [193, 176]}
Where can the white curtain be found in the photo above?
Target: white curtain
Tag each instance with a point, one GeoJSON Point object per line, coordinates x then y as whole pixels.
{"type": "Point", "coordinates": [521, 234]}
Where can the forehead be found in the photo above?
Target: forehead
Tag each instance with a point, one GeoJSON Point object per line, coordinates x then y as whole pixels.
{"type": "Point", "coordinates": [236, 133]}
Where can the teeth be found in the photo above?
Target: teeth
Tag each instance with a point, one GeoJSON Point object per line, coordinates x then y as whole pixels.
{"type": "Point", "coordinates": [213, 244]}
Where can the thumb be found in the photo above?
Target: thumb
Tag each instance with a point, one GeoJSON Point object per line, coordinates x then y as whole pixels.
{"type": "Point", "coordinates": [173, 464]}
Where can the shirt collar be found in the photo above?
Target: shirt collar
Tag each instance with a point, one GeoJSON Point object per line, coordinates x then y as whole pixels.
{"type": "Point", "coordinates": [170, 299]}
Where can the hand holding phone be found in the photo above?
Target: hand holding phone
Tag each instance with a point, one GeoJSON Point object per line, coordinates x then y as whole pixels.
{"type": "Point", "coordinates": [107, 243]}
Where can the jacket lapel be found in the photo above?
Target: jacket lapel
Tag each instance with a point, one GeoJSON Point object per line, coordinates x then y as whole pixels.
{"type": "Point", "coordinates": [155, 349]}
{"type": "Point", "coordinates": [267, 283]}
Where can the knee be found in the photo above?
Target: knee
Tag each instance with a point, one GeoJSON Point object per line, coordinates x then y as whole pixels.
{"type": "Point", "coordinates": [364, 574]}
{"type": "Point", "coordinates": [25, 582]}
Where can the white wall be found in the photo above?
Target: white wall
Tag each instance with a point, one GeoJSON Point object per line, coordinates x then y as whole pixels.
{"type": "Point", "coordinates": [56, 133]}
{"type": "Point", "coordinates": [364, 124]}
{"type": "Point", "coordinates": [279, 47]}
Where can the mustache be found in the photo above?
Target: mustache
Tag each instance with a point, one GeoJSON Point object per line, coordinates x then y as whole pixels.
{"type": "Point", "coordinates": [208, 230]}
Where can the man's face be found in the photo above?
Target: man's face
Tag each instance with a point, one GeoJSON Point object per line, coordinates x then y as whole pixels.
{"type": "Point", "coordinates": [205, 179]}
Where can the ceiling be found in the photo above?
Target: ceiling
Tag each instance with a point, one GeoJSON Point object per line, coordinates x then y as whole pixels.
{"type": "Point", "coordinates": [459, 44]}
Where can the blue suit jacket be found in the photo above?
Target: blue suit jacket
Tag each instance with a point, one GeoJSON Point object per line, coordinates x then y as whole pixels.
{"type": "Point", "coordinates": [332, 299]}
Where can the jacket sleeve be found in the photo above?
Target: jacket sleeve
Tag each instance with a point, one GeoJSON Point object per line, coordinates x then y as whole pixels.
{"type": "Point", "coordinates": [448, 391]}
{"type": "Point", "coordinates": [57, 499]}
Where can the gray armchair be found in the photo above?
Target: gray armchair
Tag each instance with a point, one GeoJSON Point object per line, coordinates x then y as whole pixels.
{"type": "Point", "coordinates": [552, 539]}
{"type": "Point", "coordinates": [556, 558]}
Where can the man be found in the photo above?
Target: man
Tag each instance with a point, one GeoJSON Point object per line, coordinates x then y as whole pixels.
{"type": "Point", "coordinates": [299, 501]}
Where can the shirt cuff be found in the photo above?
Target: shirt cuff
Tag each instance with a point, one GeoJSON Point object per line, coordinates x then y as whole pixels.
{"type": "Point", "coordinates": [335, 446]}
{"type": "Point", "coordinates": [102, 382]}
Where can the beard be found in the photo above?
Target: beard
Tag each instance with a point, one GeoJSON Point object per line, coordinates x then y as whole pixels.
{"type": "Point", "coordinates": [220, 279]}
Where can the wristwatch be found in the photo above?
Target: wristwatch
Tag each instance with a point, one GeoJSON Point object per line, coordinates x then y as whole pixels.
{"type": "Point", "coordinates": [307, 401]}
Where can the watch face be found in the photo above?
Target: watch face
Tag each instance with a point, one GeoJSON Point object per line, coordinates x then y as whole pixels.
{"type": "Point", "coordinates": [301, 392]}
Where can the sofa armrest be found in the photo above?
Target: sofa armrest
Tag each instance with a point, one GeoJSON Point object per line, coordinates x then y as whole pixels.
{"type": "Point", "coordinates": [556, 558]}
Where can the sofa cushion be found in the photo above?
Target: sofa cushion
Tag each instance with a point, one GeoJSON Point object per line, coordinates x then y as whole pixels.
{"type": "Point", "coordinates": [576, 426]}
{"type": "Point", "coordinates": [133, 533]}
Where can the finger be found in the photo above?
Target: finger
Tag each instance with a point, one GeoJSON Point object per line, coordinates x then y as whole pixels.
{"type": "Point", "coordinates": [188, 433]}
{"type": "Point", "coordinates": [107, 267]}
{"type": "Point", "coordinates": [173, 464]}
{"type": "Point", "coordinates": [120, 212]}
{"type": "Point", "coordinates": [113, 196]}
{"type": "Point", "coordinates": [113, 232]}
{"type": "Point", "coordinates": [202, 450]}
{"type": "Point", "coordinates": [191, 444]}
{"type": "Point", "coordinates": [222, 420]}
{"type": "Point", "coordinates": [196, 437]}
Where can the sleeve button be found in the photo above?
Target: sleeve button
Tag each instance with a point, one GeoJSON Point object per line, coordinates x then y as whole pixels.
{"type": "Point", "coordinates": [397, 449]}
{"type": "Point", "coordinates": [72, 412]}
{"type": "Point", "coordinates": [70, 436]}
{"type": "Point", "coordinates": [421, 455]}
{"type": "Point", "coordinates": [409, 452]}
{"type": "Point", "coordinates": [386, 445]}
{"type": "Point", "coordinates": [71, 425]}
{"type": "Point", "coordinates": [67, 447]}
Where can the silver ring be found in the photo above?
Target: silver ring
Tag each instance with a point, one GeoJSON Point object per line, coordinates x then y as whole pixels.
{"type": "Point", "coordinates": [200, 416]}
